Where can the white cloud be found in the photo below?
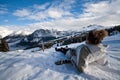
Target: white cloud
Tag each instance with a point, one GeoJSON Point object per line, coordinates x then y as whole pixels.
{"type": "Point", "coordinates": [41, 7]}
{"type": "Point", "coordinates": [55, 10]}
{"type": "Point", "coordinates": [100, 7]}
{"type": "Point", "coordinates": [55, 13]}
{"type": "Point", "coordinates": [6, 20]}
{"type": "Point", "coordinates": [95, 10]}
{"type": "Point", "coordinates": [3, 9]}
{"type": "Point", "coordinates": [22, 13]}
{"type": "Point", "coordinates": [101, 13]}
{"type": "Point", "coordinates": [60, 24]}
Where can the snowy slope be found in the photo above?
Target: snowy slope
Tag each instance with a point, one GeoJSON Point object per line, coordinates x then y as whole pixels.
{"type": "Point", "coordinates": [38, 65]}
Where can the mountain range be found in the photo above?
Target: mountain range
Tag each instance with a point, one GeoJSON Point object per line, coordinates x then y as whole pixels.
{"type": "Point", "coordinates": [26, 38]}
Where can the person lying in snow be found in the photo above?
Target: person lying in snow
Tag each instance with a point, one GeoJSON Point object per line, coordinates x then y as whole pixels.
{"type": "Point", "coordinates": [92, 51]}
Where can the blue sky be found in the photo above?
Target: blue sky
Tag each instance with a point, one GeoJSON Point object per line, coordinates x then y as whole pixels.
{"type": "Point", "coordinates": [59, 14]}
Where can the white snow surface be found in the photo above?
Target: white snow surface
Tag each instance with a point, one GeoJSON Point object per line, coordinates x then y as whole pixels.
{"type": "Point", "coordinates": [39, 65]}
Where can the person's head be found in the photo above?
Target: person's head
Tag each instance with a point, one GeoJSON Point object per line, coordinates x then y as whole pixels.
{"type": "Point", "coordinates": [96, 36]}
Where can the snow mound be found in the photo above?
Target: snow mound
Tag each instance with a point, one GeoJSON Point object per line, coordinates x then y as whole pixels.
{"type": "Point", "coordinates": [39, 65]}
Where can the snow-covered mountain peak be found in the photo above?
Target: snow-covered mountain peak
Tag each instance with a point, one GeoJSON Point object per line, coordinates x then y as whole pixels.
{"type": "Point", "coordinates": [41, 32]}
{"type": "Point", "coordinates": [5, 31]}
{"type": "Point", "coordinates": [93, 27]}
{"type": "Point", "coordinates": [21, 32]}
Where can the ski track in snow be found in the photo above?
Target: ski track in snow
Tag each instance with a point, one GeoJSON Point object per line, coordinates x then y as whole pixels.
{"type": "Point", "coordinates": [39, 65]}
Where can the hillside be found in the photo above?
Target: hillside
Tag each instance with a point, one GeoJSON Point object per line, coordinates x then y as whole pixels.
{"type": "Point", "coordinates": [38, 65]}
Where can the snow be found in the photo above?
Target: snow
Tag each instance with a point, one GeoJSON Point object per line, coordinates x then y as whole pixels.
{"type": "Point", "coordinates": [93, 27]}
{"type": "Point", "coordinates": [4, 31]}
{"type": "Point", "coordinates": [13, 30]}
{"type": "Point", "coordinates": [39, 65]}
{"type": "Point", "coordinates": [21, 32]}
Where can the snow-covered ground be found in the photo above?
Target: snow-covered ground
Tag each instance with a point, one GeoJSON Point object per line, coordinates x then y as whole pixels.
{"type": "Point", "coordinates": [38, 65]}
